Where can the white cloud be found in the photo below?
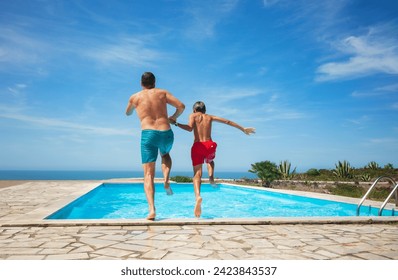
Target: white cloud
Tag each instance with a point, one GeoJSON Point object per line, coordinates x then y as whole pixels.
{"type": "Point", "coordinates": [205, 15]}
{"type": "Point", "coordinates": [19, 49]}
{"type": "Point", "coordinates": [128, 51]}
{"type": "Point", "coordinates": [16, 89]}
{"type": "Point", "coordinates": [268, 3]}
{"type": "Point", "coordinates": [366, 55]}
{"type": "Point", "coordinates": [360, 121]}
{"type": "Point", "coordinates": [389, 88]}
{"type": "Point", "coordinates": [275, 110]}
{"type": "Point", "coordinates": [383, 141]}
{"type": "Point", "coordinates": [380, 91]}
{"type": "Point", "coordinates": [64, 125]}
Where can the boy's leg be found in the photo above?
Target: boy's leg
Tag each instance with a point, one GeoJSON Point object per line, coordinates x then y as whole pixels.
{"type": "Point", "coordinates": [166, 167]}
{"type": "Point", "coordinates": [197, 180]}
{"type": "Point", "coordinates": [210, 169]}
{"type": "Point", "coordinates": [149, 187]}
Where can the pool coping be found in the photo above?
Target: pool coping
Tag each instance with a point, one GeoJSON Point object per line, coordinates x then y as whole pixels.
{"type": "Point", "coordinates": [37, 216]}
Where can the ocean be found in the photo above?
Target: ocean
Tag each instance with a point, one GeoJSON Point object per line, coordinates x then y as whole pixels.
{"type": "Point", "coordinates": [104, 175]}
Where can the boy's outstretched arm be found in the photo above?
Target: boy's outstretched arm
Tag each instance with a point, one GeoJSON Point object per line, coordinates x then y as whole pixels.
{"type": "Point", "coordinates": [184, 126]}
{"type": "Point", "coordinates": [245, 130]}
{"type": "Point", "coordinates": [187, 127]}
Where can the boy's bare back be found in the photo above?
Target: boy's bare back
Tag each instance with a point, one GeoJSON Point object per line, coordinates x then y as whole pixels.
{"type": "Point", "coordinates": [201, 124]}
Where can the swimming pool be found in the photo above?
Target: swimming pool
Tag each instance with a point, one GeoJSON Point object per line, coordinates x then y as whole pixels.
{"type": "Point", "coordinates": [127, 201]}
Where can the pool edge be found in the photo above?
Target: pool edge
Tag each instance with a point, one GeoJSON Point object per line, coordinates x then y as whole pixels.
{"type": "Point", "coordinates": [194, 221]}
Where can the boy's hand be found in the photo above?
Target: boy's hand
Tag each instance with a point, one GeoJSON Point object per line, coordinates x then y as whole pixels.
{"type": "Point", "coordinates": [249, 130]}
{"type": "Point", "coordinates": [172, 120]}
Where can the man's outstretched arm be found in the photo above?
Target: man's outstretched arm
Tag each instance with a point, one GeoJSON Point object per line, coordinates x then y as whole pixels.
{"type": "Point", "coordinates": [130, 106]}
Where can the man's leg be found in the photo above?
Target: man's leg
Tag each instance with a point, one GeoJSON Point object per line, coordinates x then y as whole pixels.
{"type": "Point", "coordinates": [149, 187]}
{"type": "Point", "coordinates": [197, 180]}
{"type": "Point", "coordinates": [166, 167]}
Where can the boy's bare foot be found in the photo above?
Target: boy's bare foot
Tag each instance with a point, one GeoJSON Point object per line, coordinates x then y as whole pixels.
{"type": "Point", "coordinates": [211, 181]}
{"type": "Point", "coordinates": [198, 207]}
{"type": "Point", "coordinates": [168, 189]}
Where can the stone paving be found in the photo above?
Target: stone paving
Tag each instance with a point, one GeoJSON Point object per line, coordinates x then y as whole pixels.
{"type": "Point", "coordinates": [281, 242]}
{"type": "Point", "coordinates": [24, 236]}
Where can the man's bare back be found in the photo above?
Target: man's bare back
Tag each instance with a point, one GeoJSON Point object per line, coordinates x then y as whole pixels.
{"type": "Point", "coordinates": [151, 108]}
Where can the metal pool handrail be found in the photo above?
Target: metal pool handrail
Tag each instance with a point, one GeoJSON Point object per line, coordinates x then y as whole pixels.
{"type": "Point", "coordinates": [371, 188]}
{"type": "Point", "coordinates": [388, 198]}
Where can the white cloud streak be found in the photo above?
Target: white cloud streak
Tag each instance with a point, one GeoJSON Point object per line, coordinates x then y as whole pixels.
{"type": "Point", "coordinates": [380, 91]}
{"type": "Point", "coordinates": [269, 3]}
{"type": "Point", "coordinates": [370, 54]}
{"type": "Point", "coordinates": [16, 89]}
{"type": "Point", "coordinates": [205, 15]}
{"type": "Point", "coordinates": [128, 51]}
{"type": "Point", "coordinates": [18, 48]}
{"type": "Point", "coordinates": [65, 125]}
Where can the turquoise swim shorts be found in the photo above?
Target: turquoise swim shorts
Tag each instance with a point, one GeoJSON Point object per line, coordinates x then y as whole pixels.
{"type": "Point", "coordinates": [153, 141]}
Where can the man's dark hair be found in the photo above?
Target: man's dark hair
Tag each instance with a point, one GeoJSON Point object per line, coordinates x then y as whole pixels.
{"type": "Point", "coordinates": [148, 80]}
{"type": "Point", "coordinates": [199, 106]}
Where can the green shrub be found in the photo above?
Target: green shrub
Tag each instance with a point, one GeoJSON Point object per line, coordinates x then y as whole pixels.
{"type": "Point", "coordinates": [347, 190]}
{"type": "Point", "coordinates": [181, 179]}
{"type": "Point", "coordinates": [380, 193]}
{"type": "Point", "coordinates": [266, 171]}
{"type": "Point", "coordinates": [313, 172]}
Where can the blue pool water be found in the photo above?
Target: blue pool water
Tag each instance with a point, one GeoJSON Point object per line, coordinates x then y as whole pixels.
{"type": "Point", "coordinates": [127, 201]}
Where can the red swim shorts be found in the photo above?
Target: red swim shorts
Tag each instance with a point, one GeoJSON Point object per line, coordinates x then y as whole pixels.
{"type": "Point", "coordinates": [203, 152]}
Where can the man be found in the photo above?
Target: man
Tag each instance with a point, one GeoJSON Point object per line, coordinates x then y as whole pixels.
{"type": "Point", "coordinates": [156, 135]}
{"type": "Point", "coordinates": [203, 148]}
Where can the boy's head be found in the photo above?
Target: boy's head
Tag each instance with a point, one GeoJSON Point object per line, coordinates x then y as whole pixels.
{"type": "Point", "coordinates": [199, 106]}
{"type": "Point", "coordinates": [148, 80]}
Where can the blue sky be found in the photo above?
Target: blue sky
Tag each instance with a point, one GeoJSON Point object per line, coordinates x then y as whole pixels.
{"type": "Point", "coordinates": [317, 79]}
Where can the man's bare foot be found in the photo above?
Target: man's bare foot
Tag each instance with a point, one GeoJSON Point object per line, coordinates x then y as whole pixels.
{"type": "Point", "coordinates": [198, 207]}
{"type": "Point", "coordinates": [168, 189]}
{"type": "Point", "coordinates": [151, 216]}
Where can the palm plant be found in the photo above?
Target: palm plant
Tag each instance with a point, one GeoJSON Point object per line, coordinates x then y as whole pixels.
{"type": "Point", "coordinates": [343, 170]}
{"type": "Point", "coordinates": [266, 171]}
{"type": "Point", "coordinates": [373, 165]}
{"type": "Point", "coordinates": [365, 177]}
{"type": "Point", "coordinates": [284, 170]}
{"type": "Point", "coordinates": [389, 166]}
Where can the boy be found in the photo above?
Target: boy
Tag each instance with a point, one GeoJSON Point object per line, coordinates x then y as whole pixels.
{"type": "Point", "coordinates": [204, 148]}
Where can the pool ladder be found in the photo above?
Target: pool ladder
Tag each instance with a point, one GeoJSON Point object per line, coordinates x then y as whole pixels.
{"type": "Point", "coordinates": [394, 190]}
